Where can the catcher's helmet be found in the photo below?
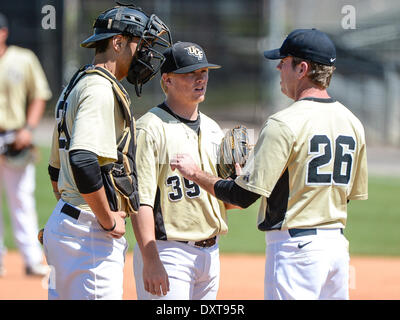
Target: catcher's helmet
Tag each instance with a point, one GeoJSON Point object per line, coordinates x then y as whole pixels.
{"type": "Point", "coordinates": [117, 20]}
{"type": "Point", "coordinates": [132, 21]}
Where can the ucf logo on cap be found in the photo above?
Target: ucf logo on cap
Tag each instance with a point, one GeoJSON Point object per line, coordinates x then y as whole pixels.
{"type": "Point", "coordinates": [194, 51]}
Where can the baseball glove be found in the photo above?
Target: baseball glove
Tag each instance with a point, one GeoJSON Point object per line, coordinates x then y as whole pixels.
{"type": "Point", "coordinates": [234, 148]}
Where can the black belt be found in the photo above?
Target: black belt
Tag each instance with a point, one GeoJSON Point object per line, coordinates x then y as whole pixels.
{"type": "Point", "coordinates": [71, 211]}
{"type": "Point", "coordinates": [2, 131]}
{"type": "Point", "coordinates": [304, 232]}
{"type": "Point", "coordinates": [204, 243]}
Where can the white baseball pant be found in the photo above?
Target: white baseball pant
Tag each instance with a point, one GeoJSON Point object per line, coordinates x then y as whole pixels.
{"type": "Point", "coordinates": [193, 272]}
{"type": "Point", "coordinates": [309, 267]}
{"type": "Point", "coordinates": [19, 184]}
{"type": "Point", "coordinates": [86, 262]}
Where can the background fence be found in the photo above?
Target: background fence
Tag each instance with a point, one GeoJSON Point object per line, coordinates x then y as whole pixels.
{"type": "Point", "coordinates": [234, 34]}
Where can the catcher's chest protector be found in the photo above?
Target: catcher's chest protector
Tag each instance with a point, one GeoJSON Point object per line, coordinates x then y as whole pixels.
{"type": "Point", "coordinates": [120, 177]}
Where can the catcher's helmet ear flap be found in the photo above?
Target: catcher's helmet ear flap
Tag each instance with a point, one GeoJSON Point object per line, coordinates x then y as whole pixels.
{"type": "Point", "coordinates": [153, 36]}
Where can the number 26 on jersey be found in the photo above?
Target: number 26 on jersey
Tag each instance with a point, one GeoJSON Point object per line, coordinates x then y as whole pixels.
{"type": "Point", "coordinates": [320, 146]}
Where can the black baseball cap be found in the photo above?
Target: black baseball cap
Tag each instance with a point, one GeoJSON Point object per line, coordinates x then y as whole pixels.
{"type": "Point", "coordinates": [185, 57]}
{"type": "Point", "coordinates": [308, 44]}
{"type": "Point", "coordinates": [3, 21]}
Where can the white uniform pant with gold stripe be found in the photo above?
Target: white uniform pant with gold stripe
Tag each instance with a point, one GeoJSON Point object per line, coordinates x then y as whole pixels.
{"type": "Point", "coordinates": [193, 272]}
{"type": "Point", "coordinates": [308, 267]}
{"type": "Point", "coordinates": [19, 185]}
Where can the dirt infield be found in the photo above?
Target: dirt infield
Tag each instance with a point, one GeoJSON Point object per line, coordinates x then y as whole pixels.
{"type": "Point", "coordinates": [242, 277]}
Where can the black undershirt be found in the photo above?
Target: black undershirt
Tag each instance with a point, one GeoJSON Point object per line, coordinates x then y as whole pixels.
{"type": "Point", "coordinates": [86, 170]}
{"type": "Point", "coordinates": [323, 100]}
{"type": "Point", "coordinates": [53, 173]}
{"type": "Point", "coordinates": [230, 192]}
{"type": "Point", "coordinates": [192, 124]}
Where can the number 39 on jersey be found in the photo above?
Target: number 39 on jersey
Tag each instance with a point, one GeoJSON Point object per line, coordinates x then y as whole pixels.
{"type": "Point", "coordinates": [188, 188]}
{"type": "Point", "coordinates": [321, 147]}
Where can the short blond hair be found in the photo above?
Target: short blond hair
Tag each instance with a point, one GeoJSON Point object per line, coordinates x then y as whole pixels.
{"type": "Point", "coordinates": [319, 74]}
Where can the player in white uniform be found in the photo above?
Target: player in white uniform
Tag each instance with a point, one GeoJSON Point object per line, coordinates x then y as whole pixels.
{"type": "Point", "coordinates": [23, 94]}
{"type": "Point", "coordinates": [92, 166]}
{"type": "Point", "coordinates": [309, 161]}
{"type": "Point", "coordinates": [178, 224]}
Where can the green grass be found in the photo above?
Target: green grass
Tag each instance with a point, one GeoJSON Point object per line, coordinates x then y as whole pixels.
{"type": "Point", "coordinates": [243, 235]}
{"type": "Point", "coordinates": [372, 226]}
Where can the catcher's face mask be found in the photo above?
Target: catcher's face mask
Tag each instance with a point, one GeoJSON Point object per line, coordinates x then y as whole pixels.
{"type": "Point", "coordinates": [148, 58]}
{"type": "Point", "coordinates": [154, 36]}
